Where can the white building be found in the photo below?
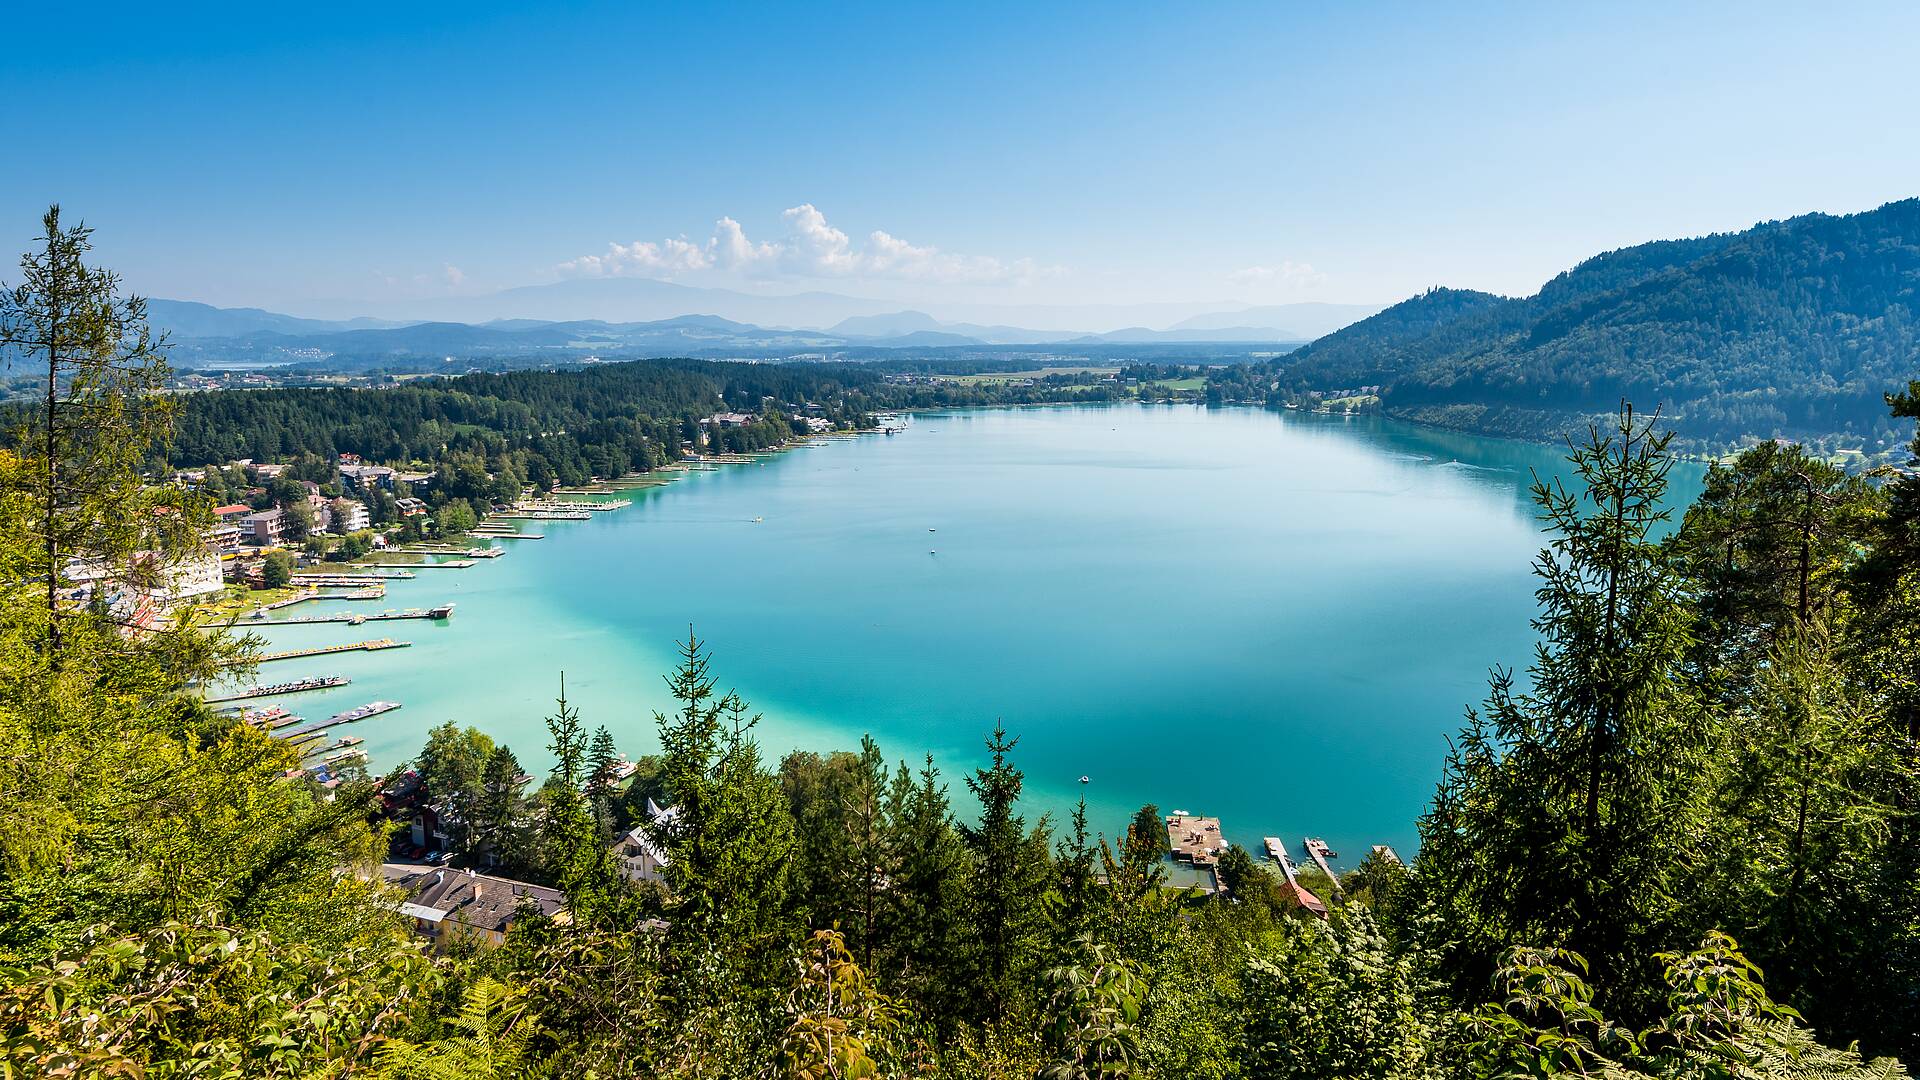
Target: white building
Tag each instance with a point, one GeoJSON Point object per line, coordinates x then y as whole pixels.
{"type": "Point", "coordinates": [350, 515]}
{"type": "Point", "coordinates": [641, 856]}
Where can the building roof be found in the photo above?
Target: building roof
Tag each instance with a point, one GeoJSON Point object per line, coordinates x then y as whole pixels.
{"type": "Point", "coordinates": [481, 901]}
{"type": "Point", "coordinates": [1307, 899]}
{"type": "Point", "coordinates": [232, 508]}
{"type": "Point", "coordinates": [265, 515]}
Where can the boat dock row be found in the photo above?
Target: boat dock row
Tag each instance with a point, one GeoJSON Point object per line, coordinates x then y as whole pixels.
{"type": "Point", "coordinates": [330, 580]}
{"type": "Point", "coordinates": [322, 650]}
{"type": "Point", "coordinates": [501, 532]}
{"type": "Point", "coordinates": [546, 515]}
{"type": "Point", "coordinates": [355, 618]}
{"type": "Point", "coordinates": [555, 507]}
{"type": "Point", "coordinates": [351, 716]}
{"type": "Point", "coordinates": [297, 686]}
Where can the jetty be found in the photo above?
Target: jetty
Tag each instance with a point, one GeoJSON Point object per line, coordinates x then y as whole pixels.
{"type": "Point", "coordinates": [1277, 851]}
{"type": "Point", "coordinates": [342, 744]}
{"type": "Point", "coordinates": [504, 533]}
{"type": "Point", "coordinates": [1319, 852]}
{"type": "Point", "coordinates": [355, 618]}
{"type": "Point", "coordinates": [351, 716]}
{"type": "Point", "coordinates": [322, 650]}
{"type": "Point", "coordinates": [471, 553]}
{"type": "Point", "coordinates": [297, 686]}
{"type": "Point", "coordinates": [557, 507]}
{"type": "Point", "coordinates": [457, 564]}
{"type": "Point", "coordinates": [1387, 854]}
{"type": "Point", "coordinates": [349, 580]}
{"type": "Point", "coordinates": [546, 515]}
{"type": "Point", "coordinates": [1194, 839]}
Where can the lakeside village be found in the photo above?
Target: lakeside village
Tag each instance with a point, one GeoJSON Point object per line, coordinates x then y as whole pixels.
{"type": "Point", "coordinates": [301, 533]}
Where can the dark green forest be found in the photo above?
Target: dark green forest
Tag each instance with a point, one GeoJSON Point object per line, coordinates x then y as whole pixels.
{"type": "Point", "coordinates": [1681, 843]}
{"type": "Point", "coordinates": [1793, 329]}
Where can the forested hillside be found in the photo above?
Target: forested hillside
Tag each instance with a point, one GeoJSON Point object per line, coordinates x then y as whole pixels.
{"type": "Point", "coordinates": [1791, 329]}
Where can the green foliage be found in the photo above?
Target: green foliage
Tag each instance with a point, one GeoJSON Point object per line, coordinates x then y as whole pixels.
{"type": "Point", "coordinates": [276, 569]}
{"type": "Point", "coordinates": [1093, 1007]}
{"type": "Point", "coordinates": [1333, 999]}
{"type": "Point", "coordinates": [1719, 1022]}
{"type": "Point", "coordinates": [203, 999]}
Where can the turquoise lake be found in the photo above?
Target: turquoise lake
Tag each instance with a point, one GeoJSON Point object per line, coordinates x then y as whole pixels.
{"type": "Point", "coordinates": [1267, 617]}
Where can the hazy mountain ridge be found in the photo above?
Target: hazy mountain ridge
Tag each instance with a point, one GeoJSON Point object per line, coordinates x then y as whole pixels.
{"type": "Point", "coordinates": [215, 332]}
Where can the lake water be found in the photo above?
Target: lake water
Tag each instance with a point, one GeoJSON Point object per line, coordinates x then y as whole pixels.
{"type": "Point", "coordinates": [1267, 617]}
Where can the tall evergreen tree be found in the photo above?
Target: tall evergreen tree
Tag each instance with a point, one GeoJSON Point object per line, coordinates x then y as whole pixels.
{"type": "Point", "coordinates": [602, 760]}
{"type": "Point", "coordinates": [1564, 808]}
{"type": "Point", "coordinates": [1011, 872]}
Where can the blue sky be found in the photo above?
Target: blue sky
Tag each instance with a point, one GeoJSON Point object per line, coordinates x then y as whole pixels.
{"type": "Point", "coordinates": [354, 157]}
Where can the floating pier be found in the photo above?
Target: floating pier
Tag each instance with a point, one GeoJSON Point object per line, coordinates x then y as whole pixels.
{"type": "Point", "coordinates": [1319, 852]}
{"type": "Point", "coordinates": [342, 744]}
{"type": "Point", "coordinates": [1277, 851]}
{"type": "Point", "coordinates": [351, 716]}
{"type": "Point", "coordinates": [297, 686]}
{"type": "Point", "coordinates": [556, 507]}
{"type": "Point", "coordinates": [471, 553]}
{"type": "Point", "coordinates": [349, 580]}
{"type": "Point", "coordinates": [355, 618]}
{"type": "Point", "coordinates": [1194, 839]}
{"type": "Point", "coordinates": [457, 564]}
{"type": "Point", "coordinates": [322, 650]}
{"type": "Point", "coordinates": [503, 534]}
{"type": "Point", "coordinates": [546, 515]}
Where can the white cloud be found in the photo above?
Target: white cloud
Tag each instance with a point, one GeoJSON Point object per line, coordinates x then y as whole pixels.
{"type": "Point", "coordinates": [811, 248]}
{"type": "Point", "coordinates": [453, 275]}
{"type": "Point", "coordinates": [1288, 275]}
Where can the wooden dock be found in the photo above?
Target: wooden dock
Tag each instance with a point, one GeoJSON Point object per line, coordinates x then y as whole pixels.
{"type": "Point", "coordinates": [1195, 839]}
{"type": "Point", "coordinates": [457, 564]}
{"type": "Point", "coordinates": [1319, 852]}
{"type": "Point", "coordinates": [347, 581]}
{"type": "Point", "coordinates": [1277, 851]}
{"type": "Point", "coordinates": [351, 716]}
{"type": "Point", "coordinates": [355, 618]}
{"type": "Point", "coordinates": [298, 686]}
{"type": "Point", "coordinates": [503, 534]}
{"type": "Point", "coordinates": [322, 650]}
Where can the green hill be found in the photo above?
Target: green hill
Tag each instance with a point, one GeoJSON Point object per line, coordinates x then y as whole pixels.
{"type": "Point", "coordinates": [1791, 329]}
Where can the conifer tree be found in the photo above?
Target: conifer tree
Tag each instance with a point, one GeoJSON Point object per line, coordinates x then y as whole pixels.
{"type": "Point", "coordinates": [602, 759]}
{"type": "Point", "coordinates": [1011, 869]}
{"type": "Point", "coordinates": [1563, 808]}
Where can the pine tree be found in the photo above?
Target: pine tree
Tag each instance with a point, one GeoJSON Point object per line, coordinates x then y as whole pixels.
{"type": "Point", "coordinates": [100, 413]}
{"type": "Point", "coordinates": [571, 849]}
{"type": "Point", "coordinates": [1562, 810]}
{"type": "Point", "coordinates": [602, 760]}
{"type": "Point", "coordinates": [1011, 872]}
{"type": "Point", "coordinates": [935, 947]}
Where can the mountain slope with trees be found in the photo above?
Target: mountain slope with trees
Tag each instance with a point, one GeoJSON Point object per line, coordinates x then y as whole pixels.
{"type": "Point", "coordinates": [1793, 329]}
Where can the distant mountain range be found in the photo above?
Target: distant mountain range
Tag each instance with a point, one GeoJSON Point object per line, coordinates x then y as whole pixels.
{"type": "Point", "coordinates": [251, 333]}
{"type": "Point", "coordinates": [1792, 328]}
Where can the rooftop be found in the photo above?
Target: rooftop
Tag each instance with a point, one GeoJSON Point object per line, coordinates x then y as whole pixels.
{"type": "Point", "coordinates": [481, 901]}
